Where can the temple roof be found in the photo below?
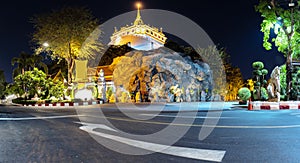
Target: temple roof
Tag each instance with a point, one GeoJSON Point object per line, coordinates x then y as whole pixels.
{"type": "Point", "coordinates": [139, 29]}
{"type": "Point", "coordinates": [138, 20]}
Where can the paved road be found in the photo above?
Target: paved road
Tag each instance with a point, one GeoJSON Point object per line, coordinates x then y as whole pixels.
{"type": "Point", "coordinates": [83, 135]}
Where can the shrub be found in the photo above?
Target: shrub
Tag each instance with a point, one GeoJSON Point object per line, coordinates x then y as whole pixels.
{"type": "Point", "coordinates": [244, 94]}
{"type": "Point", "coordinates": [23, 101]}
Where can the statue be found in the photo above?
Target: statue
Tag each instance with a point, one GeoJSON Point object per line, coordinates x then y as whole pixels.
{"type": "Point", "coordinates": [270, 90]}
{"type": "Point", "coordinates": [101, 85]}
{"type": "Point", "coordinates": [275, 81]}
{"type": "Point", "coordinates": [138, 97]}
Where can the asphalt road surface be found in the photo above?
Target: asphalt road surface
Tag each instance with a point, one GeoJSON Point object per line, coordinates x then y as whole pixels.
{"type": "Point", "coordinates": [106, 134]}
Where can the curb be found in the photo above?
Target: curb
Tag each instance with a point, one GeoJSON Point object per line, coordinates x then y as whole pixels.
{"type": "Point", "coordinates": [293, 105]}
{"type": "Point", "coordinates": [66, 104]}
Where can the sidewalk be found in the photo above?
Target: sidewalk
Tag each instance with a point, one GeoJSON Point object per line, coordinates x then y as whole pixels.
{"type": "Point", "coordinates": [169, 107]}
{"type": "Point", "coordinates": [164, 107]}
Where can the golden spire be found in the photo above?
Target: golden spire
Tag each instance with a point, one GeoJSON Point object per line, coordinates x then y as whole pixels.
{"type": "Point", "coordinates": [138, 20]}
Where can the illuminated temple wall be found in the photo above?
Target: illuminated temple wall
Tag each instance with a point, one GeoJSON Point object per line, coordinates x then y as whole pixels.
{"type": "Point", "coordinates": [139, 42]}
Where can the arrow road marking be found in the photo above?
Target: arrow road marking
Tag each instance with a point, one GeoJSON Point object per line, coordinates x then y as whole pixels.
{"type": "Point", "coordinates": [193, 153]}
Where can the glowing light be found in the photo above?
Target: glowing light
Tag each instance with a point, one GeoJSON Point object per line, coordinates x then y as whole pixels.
{"type": "Point", "coordinates": [138, 5]}
{"type": "Point", "coordinates": [45, 44]}
{"type": "Point", "coordinates": [292, 4]}
{"type": "Point", "coordinates": [277, 28]}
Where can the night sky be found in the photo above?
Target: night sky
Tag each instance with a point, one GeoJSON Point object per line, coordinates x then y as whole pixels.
{"type": "Point", "coordinates": [231, 24]}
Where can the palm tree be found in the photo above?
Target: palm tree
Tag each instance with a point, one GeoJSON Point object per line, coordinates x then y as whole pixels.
{"type": "Point", "coordinates": [22, 63]}
{"type": "Point", "coordinates": [26, 62]}
{"type": "Point", "coordinates": [37, 61]}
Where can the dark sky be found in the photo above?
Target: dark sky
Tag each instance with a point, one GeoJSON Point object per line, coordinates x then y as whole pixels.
{"type": "Point", "coordinates": [232, 24]}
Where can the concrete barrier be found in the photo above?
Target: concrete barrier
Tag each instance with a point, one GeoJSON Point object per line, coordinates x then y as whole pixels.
{"type": "Point", "coordinates": [286, 105]}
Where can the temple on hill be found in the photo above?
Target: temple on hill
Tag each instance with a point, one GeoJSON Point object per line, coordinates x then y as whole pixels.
{"type": "Point", "coordinates": [139, 35]}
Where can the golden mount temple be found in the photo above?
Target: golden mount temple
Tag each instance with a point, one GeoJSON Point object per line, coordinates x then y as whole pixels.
{"type": "Point", "coordinates": [138, 36]}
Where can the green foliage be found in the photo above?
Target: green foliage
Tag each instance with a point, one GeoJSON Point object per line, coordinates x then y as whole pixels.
{"type": "Point", "coordinates": [295, 89]}
{"type": "Point", "coordinates": [26, 62]}
{"type": "Point", "coordinates": [264, 94]}
{"type": "Point", "coordinates": [23, 101]}
{"type": "Point", "coordinates": [36, 83]}
{"type": "Point", "coordinates": [109, 92]}
{"type": "Point", "coordinates": [283, 79]}
{"type": "Point", "coordinates": [54, 88]}
{"type": "Point", "coordinates": [71, 33]}
{"type": "Point", "coordinates": [264, 72]}
{"type": "Point", "coordinates": [257, 84]}
{"type": "Point", "coordinates": [2, 84]}
{"type": "Point", "coordinates": [257, 72]}
{"type": "Point", "coordinates": [258, 65]}
{"type": "Point", "coordinates": [226, 87]}
{"type": "Point", "coordinates": [265, 82]}
{"type": "Point", "coordinates": [244, 94]}
{"type": "Point", "coordinates": [284, 20]}
{"type": "Point", "coordinates": [287, 36]}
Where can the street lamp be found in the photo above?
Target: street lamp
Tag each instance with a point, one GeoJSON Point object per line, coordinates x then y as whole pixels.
{"type": "Point", "coordinates": [138, 5]}
{"type": "Point", "coordinates": [45, 44]}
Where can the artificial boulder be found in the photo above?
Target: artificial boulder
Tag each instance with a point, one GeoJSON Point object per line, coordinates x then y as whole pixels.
{"type": "Point", "coordinates": [152, 74]}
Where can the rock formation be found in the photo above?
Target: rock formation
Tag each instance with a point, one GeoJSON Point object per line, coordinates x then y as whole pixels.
{"type": "Point", "coordinates": [160, 75]}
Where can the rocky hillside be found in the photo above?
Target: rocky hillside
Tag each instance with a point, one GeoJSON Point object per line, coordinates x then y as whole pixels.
{"type": "Point", "coordinates": [159, 75]}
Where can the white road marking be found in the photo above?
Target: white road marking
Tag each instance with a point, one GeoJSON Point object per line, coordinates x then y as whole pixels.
{"type": "Point", "coordinates": [151, 122]}
{"type": "Point", "coordinates": [193, 153]}
{"type": "Point", "coordinates": [199, 125]}
{"type": "Point", "coordinates": [194, 117]}
{"type": "Point", "coordinates": [39, 118]}
{"type": "Point", "coordinates": [94, 126]}
{"type": "Point", "coordinates": [295, 114]}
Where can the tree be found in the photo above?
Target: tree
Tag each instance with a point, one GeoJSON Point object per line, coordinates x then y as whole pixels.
{"type": "Point", "coordinates": [22, 63]}
{"type": "Point", "coordinates": [70, 33]}
{"type": "Point", "coordinates": [37, 62]}
{"type": "Point", "coordinates": [260, 84]}
{"type": "Point", "coordinates": [219, 86]}
{"type": "Point", "coordinates": [283, 18]}
{"type": "Point", "coordinates": [2, 84]}
{"type": "Point", "coordinates": [234, 80]}
{"type": "Point", "coordinates": [26, 62]}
